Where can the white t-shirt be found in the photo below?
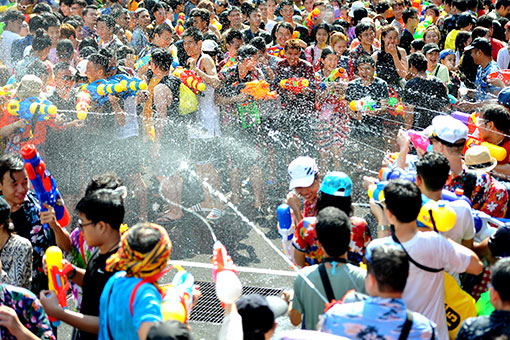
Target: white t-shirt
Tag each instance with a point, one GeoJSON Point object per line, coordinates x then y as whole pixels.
{"type": "Point", "coordinates": [504, 58]}
{"type": "Point", "coordinates": [424, 291]}
{"type": "Point", "coordinates": [8, 38]}
{"type": "Point", "coordinates": [464, 228]}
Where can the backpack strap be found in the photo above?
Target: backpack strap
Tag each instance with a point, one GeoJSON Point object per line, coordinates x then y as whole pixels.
{"type": "Point", "coordinates": [407, 325]}
{"type": "Point", "coordinates": [325, 282]}
{"type": "Point", "coordinates": [419, 265]}
{"type": "Point", "coordinates": [133, 295]}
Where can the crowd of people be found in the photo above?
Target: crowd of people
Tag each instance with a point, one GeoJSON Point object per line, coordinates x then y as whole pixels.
{"type": "Point", "coordinates": [146, 111]}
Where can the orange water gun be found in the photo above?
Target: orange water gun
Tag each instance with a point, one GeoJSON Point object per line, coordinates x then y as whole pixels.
{"type": "Point", "coordinates": [82, 104]}
{"type": "Point", "coordinates": [496, 151]}
{"type": "Point", "coordinates": [258, 89]}
{"type": "Point", "coordinates": [294, 85]}
{"type": "Point", "coordinates": [314, 15]}
{"type": "Point", "coordinates": [190, 79]}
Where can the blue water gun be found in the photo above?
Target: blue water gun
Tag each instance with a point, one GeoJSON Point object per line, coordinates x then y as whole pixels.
{"type": "Point", "coordinates": [44, 184]}
{"type": "Point", "coordinates": [32, 109]}
{"type": "Point", "coordinates": [286, 229]}
{"type": "Point", "coordinates": [93, 87]}
{"type": "Point", "coordinates": [130, 85]}
{"type": "Point", "coordinates": [178, 298]}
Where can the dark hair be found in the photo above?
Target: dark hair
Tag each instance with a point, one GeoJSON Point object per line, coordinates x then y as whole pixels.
{"type": "Point", "coordinates": [123, 51]}
{"type": "Point", "coordinates": [434, 8]}
{"type": "Point", "coordinates": [498, 115]}
{"type": "Point", "coordinates": [175, 3]}
{"type": "Point", "coordinates": [249, 9]}
{"type": "Point", "coordinates": [233, 34]}
{"type": "Point", "coordinates": [500, 278]}
{"type": "Point", "coordinates": [362, 27]}
{"type": "Point", "coordinates": [366, 59]}
{"type": "Point", "coordinates": [460, 40]}
{"type": "Point", "coordinates": [10, 16]}
{"type": "Point", "coordinates": [163, 28]}
{"type": "Point", "coordinates": [408, 13]}
{"type": "Point", "coordinates": [461, 5]}
{"type": "Point", "coordinates": [327, 51]}
{"type": "Point", "coordinates": [65, 49]}
{"type": "Point", "coordinates": [88, 41]}
{"type": "Point", "coordinates": [434, 169]}
{"type": "Point", "coordinates": [108, 20]}
{"type": "Point", "coordinates": [484, 21]}
{"type": "Point", "coordinates": [87, 51]}
{"type": "Point", "coordinates": [159, 5]}
{"type": "Point", "coordinates": [403, 199]}
{"type": "Point", "coordinates": [418, 60]}
{"type": "Point", "coordinates": [61, 66]}
{"type": "Point", "coordinates": [100, 60]}
{"type": "Point", "coordinates": [382, 7]}
{"type": "Point", "coordinates": [41, 40]}
{"type": "Point", "coordinates": [479, 32]}
{"type": "Point", "coordinates": [418, 44]}
{"type": "Point", "coordinates": [143, 238]}
{"type": "Point", "coordinates": [286, 3]}
{"type": "Point", "coordinates": [37, 22]}
{"type": "Point", "coordinates": [41, 8]}
{"type": "Point", "coordinates": [322, 26]}
{"type": "Point", "coordinates": [194, 33]}
{"type": "Point", "coordinates": [259, 43]}
{"type": "Point", "coordinates": [202, 13]}
{"type": "Point", "coordinates": [390, 267]}
{"type": "Point", "coordinates": [38, 68]}
{"type": "Point", "coordinates": [87, 9]}
{"type": "Point", "coordinates": [502, 3]}
{"type": "Point", "coordinates": [103, 181]}
{"type": "Point", "coordinates": [10, 163]}
{"type": "Point", "coordinates": [103, 205]}
{"type": "Point", "coordinates": [246, 51]}
{"type": "Point", "coordinates": [162, 58]}
{"type": "Point", "coordinates": [285, 25]}
{"type": "Point", "coordinates": [333, 230]}
{"type": "Point", "coordinates": [343, 203]}
{"type": "Point", "coordinates": [51, 19]}
{"type": "Point", "coordinates": [118, 11]}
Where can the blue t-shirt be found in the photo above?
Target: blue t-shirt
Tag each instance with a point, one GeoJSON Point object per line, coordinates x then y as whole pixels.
{"type": "Point", "coordinates": [115, 307]}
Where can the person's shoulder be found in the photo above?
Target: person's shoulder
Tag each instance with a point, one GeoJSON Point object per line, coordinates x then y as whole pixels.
{"type": "Point", "coordinates": [356, 270]}
{"type": "Point", "coordinates": [344, 309]}
{"type": "Point", "coordinates": [21, 241]}
{"type": "Point", "coordinates": [18, 293]}
{"type": "Point", "coordinates": [423, 324]}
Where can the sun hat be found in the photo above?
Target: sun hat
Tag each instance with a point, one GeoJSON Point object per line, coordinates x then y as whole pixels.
{"type": "Point", "coordinates": [479, 159]}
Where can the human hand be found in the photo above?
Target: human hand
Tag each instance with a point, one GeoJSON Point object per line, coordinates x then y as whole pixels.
{"type": "Point", "coordinates": [403, 141]}
{"type": "Point", "coordinates": [196, 294]}
{"type": "Point", "coordinates": [50, 302]}
{"type": "Point", "coordinates": [20, 124]}
{"type": "Point", "coordinates": [293, 201]}
{"type": "Point", "coordinates": [368, 181]}
{"type": "Point", "coordinates": [378, 212]}
{"type": "Point", "coordinates": [288, 295]}
{"type": "Point", "coordinates": [9, 319]}
{"type": "Point", "coordinates": [48, 217]}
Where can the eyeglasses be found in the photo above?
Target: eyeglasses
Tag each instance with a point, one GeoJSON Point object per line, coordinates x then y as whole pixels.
{"type": "Point", "coordinates": [81, 225]}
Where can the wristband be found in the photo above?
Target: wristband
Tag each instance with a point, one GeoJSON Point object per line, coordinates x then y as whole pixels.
{"type": "Point", "coordinates": [73, 273]}
{"type": "Point", "coordinates": [383, 227]}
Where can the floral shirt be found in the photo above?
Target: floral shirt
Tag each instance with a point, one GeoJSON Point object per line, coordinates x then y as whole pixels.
{"type": "Point", "coordinates": [16, 256]}
{"type": "Point", "coordinates": [483, 87]}
{"type": "Point", "coordinates": [29, 310]}
{"type": "Point", "coordinates": [375, 318]}
{"type": "Point", "coordinates": [305, 240]}
{"type": "Point", "coordinates": [489, 195]}
{"type": "Point", "coordinates": [78, 256]}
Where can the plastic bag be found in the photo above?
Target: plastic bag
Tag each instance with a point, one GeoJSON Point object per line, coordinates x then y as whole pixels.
{"type": "Point", "coordinates": [188, 101]}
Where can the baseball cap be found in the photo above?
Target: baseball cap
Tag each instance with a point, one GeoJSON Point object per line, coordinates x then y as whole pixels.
{"type": "Point", "coordinates": [430, 47]}
{"type": "Point", "coordinates": [445, 53]}
{"type": "Point", "coordinates": [169, 330]}
{"type": "Point", "coordinates": [504, 97]}
{"type": "Point", "coordinates": [336, 183]}
{"type": "Point", "coordinates": [5, 210]}
{"type": "Point", "coordinates": [447, 130]}
{"type": "Point", "coordinates": [355, 5]}
{"type": "Point", "coordinates": [302, 172]}
{"type": "Point", "coordinates": [257, 315]}
{"type": "Point", "coordinates": [482, 44]}
{"type": "Point", "coordinates": [209, 46]}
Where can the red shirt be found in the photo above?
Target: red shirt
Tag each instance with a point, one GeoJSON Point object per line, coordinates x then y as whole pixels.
{"type": "Point", "coordinates": [496, 46]}
{"type": "Point", "coordinates": [506, 145]}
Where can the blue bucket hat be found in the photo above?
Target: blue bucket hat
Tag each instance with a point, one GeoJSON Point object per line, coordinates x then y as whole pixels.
{"type": "Point", "coordinates": [337, 183]}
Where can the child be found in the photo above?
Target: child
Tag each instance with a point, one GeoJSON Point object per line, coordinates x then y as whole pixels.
{"type": "Point", "coordinates": [447, 58]}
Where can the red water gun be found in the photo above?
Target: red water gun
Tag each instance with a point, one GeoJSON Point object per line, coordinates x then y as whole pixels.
{"type": "Point", "coordinates": [44, 184]}
{"type": "Point", "coordinates": [228, 285]}
{"type": "Point", "coordinates": [190, 79]}
{"type": "Point", "coordinates": [179, 25]}
{"type": "Point", "coordinates": [57, 277]}
{"type": "Point", "coordinates": [258, 89]}
{"type": "Point", "coordinates": [294, 85]}
{"type": "Point", "coordinates": [397, 108]}
{"type": "Point", "coordinates": [313, 16]}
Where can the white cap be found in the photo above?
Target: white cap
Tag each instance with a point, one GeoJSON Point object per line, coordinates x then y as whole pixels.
{"type": "Point", "coordinates": [82, 68]}
{"type": "Point", "coordinates": [302, 172]}
{"type": "Point", "coordinates": [355, 5]}
{"type": "Point", "coordinates": [209, 46]}
{"type": "Point", "coordinates": [447, 129]}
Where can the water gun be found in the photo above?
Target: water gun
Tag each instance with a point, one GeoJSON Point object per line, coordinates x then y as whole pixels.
{"type": "Point", "coordinates": [6, 90]}
{"type": "Point", "coordinates": [6, 7]}
{"type": "Point", "coordinates": [143, 61]}
{"type": "Point", "coordinates": [335, 74]}
{"type": "Point", "coordinates": [82, 104]}
{"type": "Point", "coordinates": [296, 35]}
{"type": "Point", "coordinates": [419, 141]}
{"type": "Point", "coordinates": [417, 4]}
{"type": "Point", "coordinates": [178, 298]}
{"type": "Point", "coordinates": [496, 151]}
{"type": "Point", "coordinates": [228, 285]}
{"type": "Point", "coordinates": [190, 79]}
{"type": "Point", "coordinates": [179, 25]}
{"type": "Point", "coordinates": [286, 229]}
{"type": "Point", "coordinates": [503, 75]}
{"type": "Point", "coordinates": [436, 215]}
{"type": "Point", "coordinates": [258, 89]}
{"type": "Point", "coordinates": [468, 119]}
{"type": "Point", "coordinates": [313, 16]}
{"type": "Point", "coordinates": [44, 184]}
{"type": "Point", "coordinates": [276, 51]}
{"type": "Point", "coordinates": [396, 107]}
{"type": "Point", "coordinates": [363, 105]}
{"type": "Point", "coordinates": [447, 195]}
{"type": "Point", "coordinates": [57, 277]}
{"type": "Point", "coordinates": [32, 109]}
{"type": "Point", "coordinates": [92, 89]}
{"type": "Point", "coordinates": [111, 87]}
{"type": "Point", "coordinates": [129, 85]}
{"type": "Point", "coordinates": [376, 191]}
{"type": "Point", "coordinates": [396, 173]}
{"type": "Point", "coordinates": [294, 85]}
{"type": "Point", "coordinates": [420, 30]}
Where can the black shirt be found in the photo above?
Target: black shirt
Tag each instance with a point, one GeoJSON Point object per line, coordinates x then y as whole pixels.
{"type": "Point", "coordinates": [405, 41]}
{"type": "Point", "coordinates": [94, 281]}
{"type": "Point", "coordinates": [248, 35]}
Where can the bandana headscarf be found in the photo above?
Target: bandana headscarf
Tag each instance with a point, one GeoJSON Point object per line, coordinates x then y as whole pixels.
{"type": "Point", "coordinates": [147, 266]}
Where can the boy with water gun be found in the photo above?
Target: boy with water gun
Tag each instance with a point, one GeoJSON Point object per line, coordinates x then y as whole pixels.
{"type": "Point", "coordinates": [100, 215]}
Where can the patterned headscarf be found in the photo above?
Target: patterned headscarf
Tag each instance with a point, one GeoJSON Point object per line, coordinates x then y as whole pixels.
{"type": "Point", "coordinates": [148, 266]}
